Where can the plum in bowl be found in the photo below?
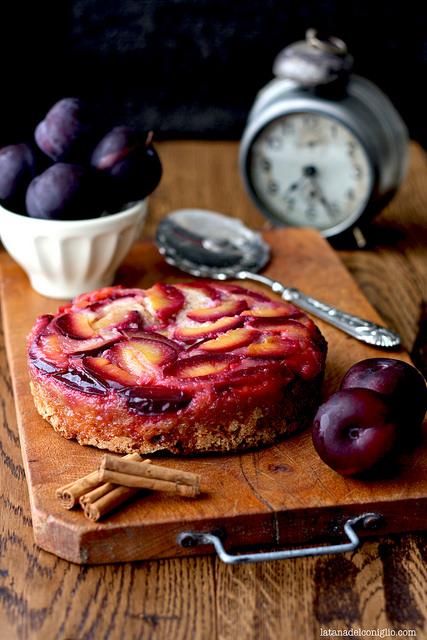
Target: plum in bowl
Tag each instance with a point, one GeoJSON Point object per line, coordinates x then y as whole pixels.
{"type": "Point", "coordinates": [71, 204]}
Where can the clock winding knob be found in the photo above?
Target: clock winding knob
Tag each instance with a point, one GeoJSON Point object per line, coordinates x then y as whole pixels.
{"type": "Point", "coordinates": [314, 61]}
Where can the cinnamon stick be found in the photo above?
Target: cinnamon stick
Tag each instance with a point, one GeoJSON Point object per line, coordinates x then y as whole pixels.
{"type": "Point", "coordinates": [106, 503]}
{"type": "Point", "coordinates": [69, 494]}
{"type": "Point", "coordinates": [96, 494]}
{"type": "Point", "coordinates": [119, 479]}
{"type": "Point", "coordinates": [127, 466]}
{"type": "Point", "coordinates": [103, 489]}
{"type": "Point", "coordinates": [154, 484]}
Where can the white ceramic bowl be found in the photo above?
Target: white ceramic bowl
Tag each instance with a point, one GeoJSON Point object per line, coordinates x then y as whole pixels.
{"type": "Point", "coordinates": [66, 258]}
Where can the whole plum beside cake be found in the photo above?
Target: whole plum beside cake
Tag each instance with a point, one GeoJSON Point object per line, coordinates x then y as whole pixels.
{"type": "Point", "coordinates": [196, 366]}
{"type": "Point", "coordinates": [17, 168]}
{"type": "Point", "coordinates": [65, 192]}
{"type": "Point", "coordinates": [354, 430]}
{"type": "Point", "coordinates": [66, 132]}
{"type": "Point", "coordinates": [380, 406]}
{"type": "Point", "coordinates": [130, 163]}
{"type": "Point", "coordinates": [403, 387]}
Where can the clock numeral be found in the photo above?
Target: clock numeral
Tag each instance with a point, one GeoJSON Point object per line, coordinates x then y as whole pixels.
{"type": "Point", "coordinates": [288, 128]}
{"type": "Point", "coordinates": [274, 142]}
{"type": "Point", "coordinates": [357, 172]}
{"type": "Point", "coordinates": [350, 194]}
{"type": "Point", "coordinates": [265, 164]}
{"type": "Point", "coordinates": [289, 202]}
{"type": "Point", "coordinates": [351, 148]}
{"type": "Point", "coordinates": [311, 122]}
{"type": "Point", "coordinates": [272, 187]}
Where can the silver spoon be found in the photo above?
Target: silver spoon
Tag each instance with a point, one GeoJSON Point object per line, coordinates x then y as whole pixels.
{"type": "Point", "coordinates": [211, 245]}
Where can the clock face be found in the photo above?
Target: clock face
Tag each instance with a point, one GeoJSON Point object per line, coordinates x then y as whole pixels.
{"type": "Point", "coordinates": [310, 170]}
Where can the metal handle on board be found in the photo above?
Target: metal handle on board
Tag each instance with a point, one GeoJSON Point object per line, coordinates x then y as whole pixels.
{"type": "Point", "coordinates": [366, 521]}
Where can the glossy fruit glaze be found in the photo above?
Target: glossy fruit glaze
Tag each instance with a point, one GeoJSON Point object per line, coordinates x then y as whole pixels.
{"type": "Point", "coordinates": [165, 347]}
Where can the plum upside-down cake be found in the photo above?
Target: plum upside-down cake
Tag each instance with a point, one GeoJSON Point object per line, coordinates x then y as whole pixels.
{"type": "Point", "coordinates": [197, 366]}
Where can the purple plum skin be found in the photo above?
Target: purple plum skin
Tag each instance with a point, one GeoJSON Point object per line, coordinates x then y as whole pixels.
{"type": "Point", "coordinates": [65, 134]}
{"type": "Point", "coordinates": [353, 431]}
{"type": "Point", "coordinates": [130, 165]}
{"type": "Point", "coordinates": [116, 145]}
{"type": "Point", "coordinates": [17, 169]}
{"type": "Point", "coordinates": [402, 386]}
{"type": "Point", "coordinates": [64, 192]}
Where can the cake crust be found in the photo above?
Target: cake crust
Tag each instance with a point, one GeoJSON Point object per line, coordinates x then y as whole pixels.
{"type": "Point", "coordinates": [120, 370]}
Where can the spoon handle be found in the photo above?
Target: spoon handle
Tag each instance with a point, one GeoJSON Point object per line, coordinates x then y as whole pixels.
{"type": "Point", "coordinates": [358, 328]}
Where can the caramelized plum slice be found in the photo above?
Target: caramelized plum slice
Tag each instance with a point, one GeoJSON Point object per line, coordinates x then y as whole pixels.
{"type": "Point", "coordinates": [200, 286]}
{"type": "Point", "coordinates": [284, 310]}
{"type": "Point", "coordinates": [130, 321]}
{"type": "Point", "coordinates": [291, 328]}
{"type": "Point", "coordinates": [272, 347]}
{"type": "Point", "coordinates": [71, 346]}
{"type": "Point", "coordinates": [103, 369]}
{"type": "Point", "coordinates": [95, 300]}
{"type": "Point", "coordinates": [99, 295]}
{"type": "Point", "coordinates": [230, 340]}
{"type": "Point", "coordinates": [156, 400]}
{"type": "Point", "coordinates": [81, 381]}
{"type": "Point", "coordinates": [117, 312]}
{"type": "Point", "coordinates": [306, 363]}
{"type": "Point", "coordinates": [255, 373]}
{"type": "Point", "coordinates": [202, 366]}
{"type": "Point", "coordinates": [84, 325]}
{"type": "Point", "coordinates": [46, 353]}
{"type": "Point", "coordinates": [75, 325]}
{"type": "Point", "coordinates": [207, 330]}
{"type": "Point", "coordinates": [141, 358]}
{"type": "Point", "coordinates": [165, 300]}
{"type": "Point", "coordinates": [242, 292]}
{"type": "Point", "coordinates": [210, 314]}
{"type": "Point", "coordinates": [154, 335]}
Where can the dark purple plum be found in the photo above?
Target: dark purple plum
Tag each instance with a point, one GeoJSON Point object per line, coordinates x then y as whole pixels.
{"type": "Point", "coordinates": [82, 381]}
{"type": "Point", "coordinates": [116, 145]}
{"type": "Point", "coordinates": [17, 169]}
{"type": "Point", "coordinates": [402, 386]}
{"type": "Point", "coordinates": [66, 133]}
{"type": "Point", "coordinates": [156, 400]}
{"type": "Point", "coordinates": [129, 163]}
{"type": "Point", "coordinates": [354, 430]}
{"type": "Point", "coordinates": [64, 192]}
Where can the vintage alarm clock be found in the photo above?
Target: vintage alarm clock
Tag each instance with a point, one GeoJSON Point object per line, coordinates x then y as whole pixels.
{"type": "Point", "coordinates": [322, 148]}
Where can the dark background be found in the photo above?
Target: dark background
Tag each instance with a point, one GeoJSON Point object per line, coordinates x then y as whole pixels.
{"type": "Point", "coordinates": [191, 68]}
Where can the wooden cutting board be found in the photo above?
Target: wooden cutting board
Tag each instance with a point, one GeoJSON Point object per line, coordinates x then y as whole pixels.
{"type": "Point", "coordinates": [278, 495]}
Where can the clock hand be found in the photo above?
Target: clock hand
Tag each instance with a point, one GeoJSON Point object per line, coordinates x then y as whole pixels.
{"type": "Point", "coordinates": [292, 187]}
{"type": "Point", "coordinates": [297, 184]}
{"type": "Point", "coordinates": [318, 191]}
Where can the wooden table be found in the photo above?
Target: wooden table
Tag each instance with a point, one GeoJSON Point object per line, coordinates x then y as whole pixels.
{"type": "Point", "coordinates": [381, 586]}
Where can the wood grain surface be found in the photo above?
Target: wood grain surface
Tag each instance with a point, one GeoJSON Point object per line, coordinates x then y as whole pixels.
{"type": "Point", "coordinates": [278, 495]}
{"type": "Point", "coordinates": [383, 585]}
